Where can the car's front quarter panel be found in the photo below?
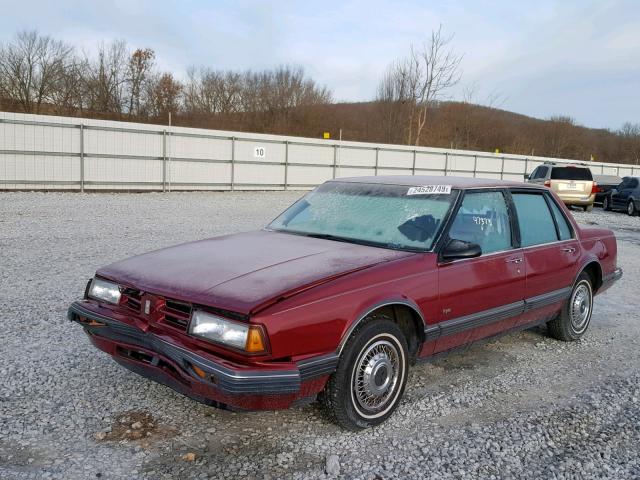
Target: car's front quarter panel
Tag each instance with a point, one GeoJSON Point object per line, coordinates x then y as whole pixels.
{"type": "Point", "coordinates": [316, 321]}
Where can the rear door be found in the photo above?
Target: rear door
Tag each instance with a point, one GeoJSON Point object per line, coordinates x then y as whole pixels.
{"type": "Point", "coordinates": [550, 249]}
{"type": "Point", "coordinates": [480, 296]}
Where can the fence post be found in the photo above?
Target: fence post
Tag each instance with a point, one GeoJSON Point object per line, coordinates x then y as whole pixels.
{"type": "Point", "coordinates": [526, 167]}
{"type": "Point", "coordinates": [286, 164]}
{"type": "Point", "coordinates": [81, 158]}
{"type": "Point", "coordinates": [377, 154]}
{"type": "Point", "coordinates": [413, 168]}
{"type": "Point", "coordinates": [233, 162]}
{"type": "Point", "coordinates": [502, 169]}
{"type": "Point", "coordinates": [164, 160]}
{"type": "Point", "coordinates": [446, 162]}
{"type": "Point", "coordinates": [475, 165]}
{"type": "Point", "coordinates": [335, 160]}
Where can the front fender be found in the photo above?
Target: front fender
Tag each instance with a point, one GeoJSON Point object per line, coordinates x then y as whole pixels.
{"type": "Point", "coordinates": [366, 311]}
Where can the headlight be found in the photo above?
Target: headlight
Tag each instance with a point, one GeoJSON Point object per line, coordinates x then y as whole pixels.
{"type": "Point", "coordinates": [103, 290]}
{"type": "Point", "coordinates": [238, 335]}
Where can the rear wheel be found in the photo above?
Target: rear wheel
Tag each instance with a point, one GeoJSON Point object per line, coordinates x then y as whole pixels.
{"type": "Point", "coordinates": [367, 386]}
{"type": "Point", "coordinates": [587, 208]}
{"type": "Point", "coordinates": [606, 204]}
{"type": "Point", "coordinates": [573, 320]}
{"type": "Point", "coordinates": [631, 208]}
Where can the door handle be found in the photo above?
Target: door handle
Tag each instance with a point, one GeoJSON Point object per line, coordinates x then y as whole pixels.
{"type": "Point", "coordinates": [569, 250]}
{"type": "Point", "coordinates": [514, 260]}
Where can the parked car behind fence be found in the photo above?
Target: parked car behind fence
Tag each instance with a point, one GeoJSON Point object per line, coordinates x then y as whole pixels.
{"type": "Point", "coordinates": [604, 184]}
{"type": "Point", "coordinates": [625, 196]}
{"type": "Point", "coordinates": [574, 184]}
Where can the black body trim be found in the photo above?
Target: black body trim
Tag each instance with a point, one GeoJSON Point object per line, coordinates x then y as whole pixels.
{"type": "Point", "coordinates": [548, 298]}
{"type": "Point", "coordinates": [612, 277]}
{"type": "Point", "coordinates": [317, 366]}
{"type": "Point", "coordinates": [486, 317]}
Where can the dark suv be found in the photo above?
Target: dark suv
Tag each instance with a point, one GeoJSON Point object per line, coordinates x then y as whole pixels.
{"type": "Point", "coordinates": [625, 196]}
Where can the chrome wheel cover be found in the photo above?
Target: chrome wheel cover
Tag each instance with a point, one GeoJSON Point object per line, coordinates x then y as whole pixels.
{"type": "Point", "coordinates": [631, 208]}
{"type": "Point", "coordinates": [376, 377]}
{"type": "Point", "coordinates": [580, 307]}
{"type": "Point", "coordinates": [605, 203]}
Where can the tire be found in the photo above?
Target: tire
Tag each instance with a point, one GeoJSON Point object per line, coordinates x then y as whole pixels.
{"type": "Point", "coordinates": [375, 355]}
{"type": "Point", "coordinates": [606, 204]}
{"type": "Point", "coordinates": [588, 208]}
{"type": "Point", "coordinates": [574, 319]}
{"type": "Point", "coordinates": [632, 211]}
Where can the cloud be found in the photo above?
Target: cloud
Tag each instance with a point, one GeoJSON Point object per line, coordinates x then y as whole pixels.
{"type": "Point", "coordinates": [572, 57]}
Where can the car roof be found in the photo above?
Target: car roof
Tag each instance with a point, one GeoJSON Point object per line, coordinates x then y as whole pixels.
{"type": "Point", "coordinates": [564, 165]}
{"type": "Point", "coordinates": [419, 180]}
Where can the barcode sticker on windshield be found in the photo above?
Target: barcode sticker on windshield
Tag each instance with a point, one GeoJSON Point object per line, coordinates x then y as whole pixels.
{"type": "Point", "coordinates": [429, 189]}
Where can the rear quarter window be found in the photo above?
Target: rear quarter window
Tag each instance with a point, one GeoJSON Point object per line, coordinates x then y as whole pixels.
{"type": "Point", "coordinates": [534, 219]}
{"type": "Point", "coordinates": [563, 225]}
{"type": "Point", "coordinates": [571, 173]}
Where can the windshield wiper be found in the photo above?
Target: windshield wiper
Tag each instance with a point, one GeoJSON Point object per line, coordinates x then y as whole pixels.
{"type": "Point", "coordinates": [358, 241]}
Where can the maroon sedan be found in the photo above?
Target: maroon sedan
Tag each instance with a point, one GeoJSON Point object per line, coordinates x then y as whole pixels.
{"type": "Point", "coordinates": [346, 289]}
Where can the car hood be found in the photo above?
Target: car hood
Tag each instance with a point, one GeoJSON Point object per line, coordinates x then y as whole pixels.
{"type": "Point", "coordinates": [246, 271]}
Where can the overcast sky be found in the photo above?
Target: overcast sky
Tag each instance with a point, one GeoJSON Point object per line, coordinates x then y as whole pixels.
{"type": "Point", "coordinates": [542, 58]}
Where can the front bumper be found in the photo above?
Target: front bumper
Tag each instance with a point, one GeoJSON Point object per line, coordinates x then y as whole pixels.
{"type": "Point", "coordinates": [225, 384]}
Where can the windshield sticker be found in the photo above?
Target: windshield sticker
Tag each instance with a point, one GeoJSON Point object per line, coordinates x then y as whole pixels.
{"type": "Point", "coordinates": [429, 190]}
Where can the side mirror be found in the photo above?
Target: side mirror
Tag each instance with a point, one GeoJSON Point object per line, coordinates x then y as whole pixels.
{"type": "Point", "coordinates": [457, 249]}
{"type": "Point", "coordinates": [527, 176]}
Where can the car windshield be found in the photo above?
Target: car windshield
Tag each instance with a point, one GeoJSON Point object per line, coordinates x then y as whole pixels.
{"type": "Point", "coordinates": [570, 173]}
{"type": "Point", "coordinates": [389, 216]}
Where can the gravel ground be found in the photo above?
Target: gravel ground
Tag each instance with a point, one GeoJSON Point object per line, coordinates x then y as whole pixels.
{"type": "Point", "coordinates": [525, 406]}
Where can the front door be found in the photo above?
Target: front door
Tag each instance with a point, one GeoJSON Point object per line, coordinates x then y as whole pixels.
{"type": "Point", "coordinates": [480, 296]}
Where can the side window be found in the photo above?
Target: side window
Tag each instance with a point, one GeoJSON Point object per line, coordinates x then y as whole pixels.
{"type": "Point", "coordinates": [542, 172]}
{"type": "Point", "coordinates": [534, 219]}
{"type": "Point", "coordinates": [535, 174]}
{"type": "Point", "coordinates": [633, 183]}
{"type": "Point", "coordinates": [483, 218]}
{"type": "Point", "coordinates": [563, 225]}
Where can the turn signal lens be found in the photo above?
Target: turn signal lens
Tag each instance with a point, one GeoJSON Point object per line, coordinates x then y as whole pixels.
{"type": "Point", "coordinates": [201, 373]}
{"type": "Point", "coordinates": [255, 342]}
{"type": "Point", "coordinates": [547, 183]}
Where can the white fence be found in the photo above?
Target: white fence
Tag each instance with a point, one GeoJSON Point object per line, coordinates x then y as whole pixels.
{"type": "Point", "coordinates": [61, 153]}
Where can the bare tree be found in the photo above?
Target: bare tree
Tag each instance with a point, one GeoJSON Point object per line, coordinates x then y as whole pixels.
{"type": "Point", "coordinates": [630, 134]}
{"type": "Point", "coordinates": [163, 95]}
{"type": "Point", "coordinates": [107, 78]}
{"type": "Point", "coordinates": [139, 68]}
{"type": "Point", "coordinates": [419, 81]}
{"type": "Point", "coordinates": [69, 94]}
{"type": "Point", "coordinates": [208, 91]}
{"type": "Point", "coordinates": [30, 68]}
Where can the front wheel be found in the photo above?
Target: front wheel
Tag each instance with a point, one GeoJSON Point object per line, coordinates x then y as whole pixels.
{"type": "Point", "coordinates": [371, 376]}
{"type": "Point", "coordinates": [575, 316]}
{"type": "Point", "coordinates": [631, 208]}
